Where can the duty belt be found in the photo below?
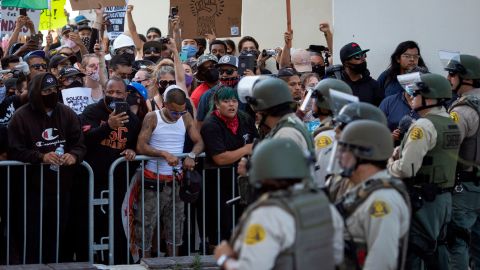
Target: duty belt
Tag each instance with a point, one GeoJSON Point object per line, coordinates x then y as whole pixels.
{"type": "Point", "coordinates": [468, 177]}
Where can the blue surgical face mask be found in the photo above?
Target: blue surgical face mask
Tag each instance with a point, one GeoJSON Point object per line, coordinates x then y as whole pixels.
{"type": "Point", "coordinates": [190, 50]}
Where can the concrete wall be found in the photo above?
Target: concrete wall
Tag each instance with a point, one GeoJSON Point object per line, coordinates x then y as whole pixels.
{"type": "Point", "coordinates": [380, 25]}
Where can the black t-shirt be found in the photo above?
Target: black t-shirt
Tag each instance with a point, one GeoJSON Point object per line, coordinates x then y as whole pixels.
{"type": "Point", "coordinates": [8, 106]}
{"type": "Point", "coordinates": [219, 139]}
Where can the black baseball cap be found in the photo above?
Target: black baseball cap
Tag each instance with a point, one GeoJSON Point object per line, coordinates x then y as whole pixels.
{"type": "Point", "coordinates": [58, 59]}
{"type": "Point", "coordinates": [49, 81]}
{"type": "Point", "coordinates": [70, 71]}
{"type": "Point", "coordinates": [286, 72]}
{"type": "Point", "coordinates": [317, 48]}
{"type": "Point", "coordinates": [350, 50]}
{"type": "Point", "coordinates": [152, 46]}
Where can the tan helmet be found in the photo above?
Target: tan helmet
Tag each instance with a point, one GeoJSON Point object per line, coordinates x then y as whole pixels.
{"type": "Point", "coordinates": [322, 91]}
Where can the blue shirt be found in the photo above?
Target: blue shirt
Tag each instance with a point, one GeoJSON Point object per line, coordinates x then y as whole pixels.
{"type": "Point", "coordinates": [390, 88]}
{"type": "Point", "coordinates": [395, 108]}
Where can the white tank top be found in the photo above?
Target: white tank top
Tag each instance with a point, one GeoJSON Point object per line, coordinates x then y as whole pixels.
{"type": "Point", "coordinates": [168, 137]}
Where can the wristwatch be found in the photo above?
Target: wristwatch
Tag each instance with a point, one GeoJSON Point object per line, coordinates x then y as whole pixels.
{"type": "Point", "coordinates": [192, 155]}
{"type": "Point", "coordinates": [222, 260]}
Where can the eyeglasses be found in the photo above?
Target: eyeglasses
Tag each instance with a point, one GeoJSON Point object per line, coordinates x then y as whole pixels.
{"type": "Point", "coordinates": [228, 71]}
{"type": "Point", "coordinates": [125, 51]}
{"type": "Point", "coordinates": [140, 81]}
{"type": "Point", "coordinates": [359, 56]}
{"type": "Point", "coordinates": [39, 66]}
{"type": "Point", "coordinates": [411, 56]}
{"type": "Point", "coordinates": [165, 83]}
{"type": "Point", "coordinates": [151, 50]}
{"type": "Point", "coordinates": [177, 114]}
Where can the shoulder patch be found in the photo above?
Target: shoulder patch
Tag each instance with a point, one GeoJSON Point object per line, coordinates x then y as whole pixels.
{"type": "Point", "coordinates": [416, 134]}
{"type": "Point", "coordinates": [255, 234]}
{"type": "Point", "coordinates": [455, 117]}
{"type": "Point", "coordinates": [322, 142]}
{"type": "Point", "coordinates": [379, 209]}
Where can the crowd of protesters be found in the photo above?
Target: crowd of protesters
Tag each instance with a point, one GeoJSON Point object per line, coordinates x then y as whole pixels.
{"type": "Point", "coordinates": [160, 96]}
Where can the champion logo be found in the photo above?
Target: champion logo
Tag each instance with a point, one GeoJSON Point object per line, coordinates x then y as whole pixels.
{"type": "Point", "coordinates": [48, 134]}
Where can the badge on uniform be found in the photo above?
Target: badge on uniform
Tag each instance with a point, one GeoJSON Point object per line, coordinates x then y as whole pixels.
{"type": "Point", "coordinates": [322, 142]}
{"type": "Point", "coordinates": [255, 234]}
{"type": "Point", "coordinates": [455, 117]}
{"type": "Point", "coordinates": [379, 209]}
{"type": "Point", "coordinates": [416, 134]}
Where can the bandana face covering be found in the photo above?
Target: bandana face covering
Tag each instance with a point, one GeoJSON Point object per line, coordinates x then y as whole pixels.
{"type": "Point", "coordinates": [232, 124]}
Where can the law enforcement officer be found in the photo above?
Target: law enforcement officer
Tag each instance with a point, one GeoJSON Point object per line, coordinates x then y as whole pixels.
{"type": "Point", "coordinates": [464, 76]}
{"type": "Point", "coordinates": [376, 211]}
{"type": "Point", "coordinates": [336, 184]}
{"type": "Point", "coordinates": [325, 134]}
{"type": "Point", "coordinates": [290, 226]}
{"type": "Point", "coordinates": [426, 161]}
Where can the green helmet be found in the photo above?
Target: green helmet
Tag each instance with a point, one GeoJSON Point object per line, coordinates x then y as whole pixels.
{"type": "Point", "coordinates": [278, 158]}
{"type": "Point", "coordinates": [358, 111]}
{"type": "Point", "coordinates": [467, 68]}
{"type": "Point", "coordinates": [268, 93]}
{"type": "Point", "coordinates": [357, 136]}
{"type": "Point", "coordinates": [322, 91]}
{"type": "Point", "coordinates": [434, 86]}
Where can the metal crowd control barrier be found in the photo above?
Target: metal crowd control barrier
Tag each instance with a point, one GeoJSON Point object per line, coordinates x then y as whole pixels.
{"type": "Point", "coordinates": [8, 164]}
{"type": "Point", "coordinates": [112, 214]}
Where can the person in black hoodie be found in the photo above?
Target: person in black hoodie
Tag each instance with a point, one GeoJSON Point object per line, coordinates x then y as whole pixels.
{"type": "Point", "coordinates": [357, 76]}
{"type": "Point", "coordinates": [110, 135]}
{"type": "Point", "coordinates": [34, 132]}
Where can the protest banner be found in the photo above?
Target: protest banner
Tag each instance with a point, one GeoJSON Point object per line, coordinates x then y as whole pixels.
{"type": "Point", "coordinates": [116, 16]}
{"type": "Point", "coordinates": [77, 98]}
{"type": "Point", "coordinates": [92, 4]}
{"type": "Point", "coordinates": [54, 17]}
{"type": "Point", "coordinates": [9, 17]}
{"type": "Point", "coordinates": [200, 17]}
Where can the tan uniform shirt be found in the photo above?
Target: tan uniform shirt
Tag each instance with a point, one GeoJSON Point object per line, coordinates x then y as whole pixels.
{"type": "Point", "coordinates": [323, 150]}
{"type": "Point", "coordinates": [270, 230]}
{"type": "Point", "coordinates": [466, 117]}
{"type": "Point", "coordinates": [421, 138]}
{"type": "Point", "coordinates": [380, 222]}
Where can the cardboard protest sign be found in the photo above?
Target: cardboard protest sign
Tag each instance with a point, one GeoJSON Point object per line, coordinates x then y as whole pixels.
{"type": "Point", "coordinates": [54, 17]}
{"type": "Point", "coordinates": [9, 20]}
{"type": "Point", "coordinates": [116, 16]}
{"type": "Point", "coordinates": [200, 17]}
{"type": "Point", "coordinates": [91, 4]}
{"type": "Point", "coordinates": [77, 98]}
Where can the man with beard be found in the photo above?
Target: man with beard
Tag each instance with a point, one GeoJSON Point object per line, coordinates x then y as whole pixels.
{"type": "Point", "coordinates": [357, 75]}
{"type": "Point", "coordinates": [121, 66]}
{"type": "Point", "coordinates": [34, 133]}
{"type": "Point", "coordinates": [227, 68]}
{"type": "Point", "coordinates": [109, 135]}
{"type": "Point", "coordinates": [208, 74]}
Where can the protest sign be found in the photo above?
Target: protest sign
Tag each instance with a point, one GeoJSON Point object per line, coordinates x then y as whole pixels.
{"type": "Point", "coordinates": [54, 17]}
{"type": "Point", "coordinates": [9, 20]}
{"type": "Point", "coordinates": [200, 17]}
{"type": "Point", "coordinates": [91, 4]}
{"type": "Point", "coordinates": [116, 16]}
{"type": "Point", "coordinates": [77, 98]}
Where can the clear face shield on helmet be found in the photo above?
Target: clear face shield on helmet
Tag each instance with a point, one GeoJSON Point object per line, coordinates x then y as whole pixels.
{"type": "Point", "coordinates": [409, 82]}
{"type": "Point", "coordinates": [344, 159]}
{"type": "Point", "coordinates": [339, 99]}
{"type": "Point", "coordinates": [450, 60]}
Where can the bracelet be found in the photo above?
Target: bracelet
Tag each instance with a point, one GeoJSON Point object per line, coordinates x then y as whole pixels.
{"type": "Point", "coordinates": [222, 260]}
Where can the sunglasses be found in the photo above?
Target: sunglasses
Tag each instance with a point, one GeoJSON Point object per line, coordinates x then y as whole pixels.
{"type": "Point", "coordinates": [228, 71]}
{"type": "Point", "coordinates": [165, 83]}
{"type": "Point", "coordinates": [177, 114]}
{"type": "Point", "coordinates": [125, 51]}
{"type": "Point", "coordinates": [359, 56]}
{"type": "Point", "coordinates": [39, 66]}
{"type": "Point", "coordinates": [151, 50]}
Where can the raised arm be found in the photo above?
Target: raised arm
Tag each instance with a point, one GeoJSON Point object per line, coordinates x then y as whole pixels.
{"type": "Point", "coordinates": [325, 28]}
{"type": "Point", "coordinates": [285, 60]}
{"type": "Point", "coordinates": [132, 28]}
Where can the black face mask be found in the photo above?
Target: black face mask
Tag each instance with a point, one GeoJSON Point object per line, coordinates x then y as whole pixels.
{"type": "Point", "coordinates": [130, 57]}
{"type": "Point", "coordinates": [211, 75]}
{"type": "Point", "coordinates": [358, 68]}
{"type": "Point", "coordinates": [218, 56]}
{"type": "Point", "coordinates": [152, 58]}
{"type": "Point", "coordinates": [319, 69]}
{"type": "Point", "coordinates": [50, 100]}
{"type": "Point", "coordinates": [132, 99]}
{"type": "Point", "coordinates": [75, 83]}
{"type": "Point", "coordinates": [110, 102]}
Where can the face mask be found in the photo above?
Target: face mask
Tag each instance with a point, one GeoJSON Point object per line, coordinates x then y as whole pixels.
{"type": "Point", "coordinates": [190, 50]}
{"type": "Point", "coordinates": [319, 69]}
{"type": "Point", "coordinates": [94, 76]}
{"type": "Point", "coordinates": [211, 75]}
{"type": "Point", "coordinates": [188, 80]}
{"type": "Point", "coordinates": [69, 43]}
{"type": "Point", "coordinates": [126, 81]}
{"type": "Point", "coordinates": [359, 68]}
{"type": "Point", "coordinates": [110, 102]}
{"type": "Point", "coordinates": [86, 41]}
{"type": "Point", "coordinates": [152, 58]}
{"type": "Point", "coordinates": [75, 83]}
{"type": "Point", "coordinates": [230, 82]}
{"type": "Point", "coordinates": [50, 100]}
{"type": "Point", "coordinates": [132, 99]}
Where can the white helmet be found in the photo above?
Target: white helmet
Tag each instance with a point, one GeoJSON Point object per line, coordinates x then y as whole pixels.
{"type": "Point", "coordinates": [122, 41]}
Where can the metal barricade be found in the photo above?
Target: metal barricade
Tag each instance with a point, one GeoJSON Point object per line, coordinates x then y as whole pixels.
{"type": "Point", "coordinates": [6, 220]}
{"type": "Point", "coordinates": [199, 232]}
